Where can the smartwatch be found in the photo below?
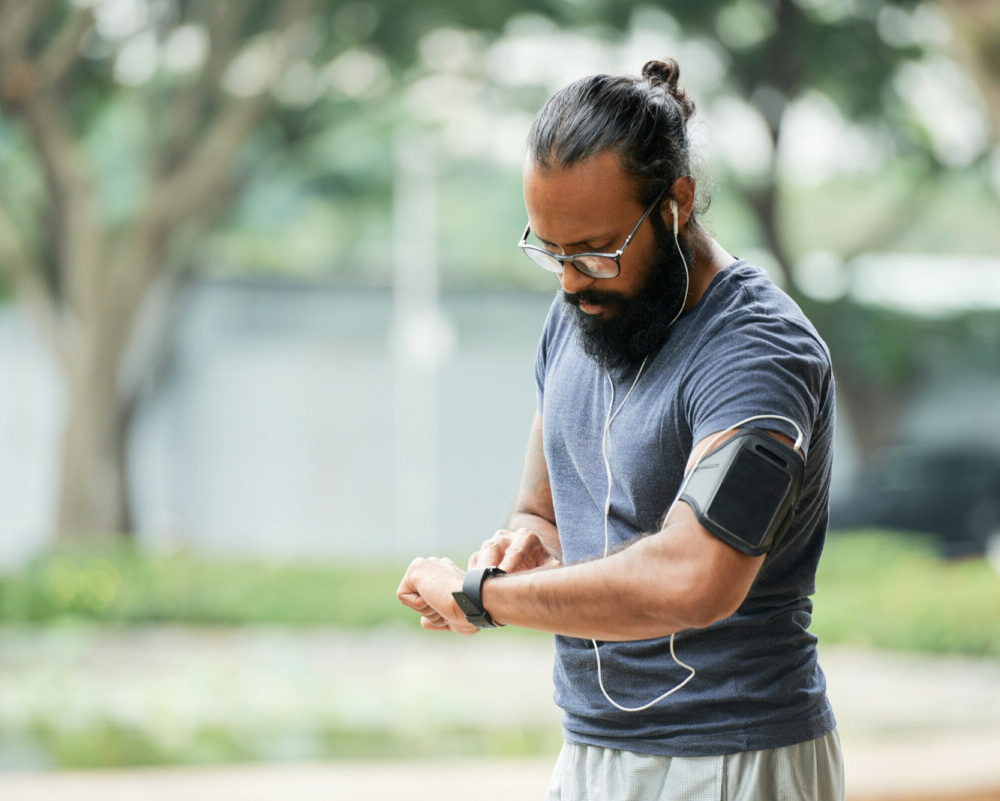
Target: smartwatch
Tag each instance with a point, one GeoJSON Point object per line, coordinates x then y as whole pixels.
{"type": "Point", "coordinates": [470, 599]}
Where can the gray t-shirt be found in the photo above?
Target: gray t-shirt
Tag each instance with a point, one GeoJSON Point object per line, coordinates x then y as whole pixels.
{"type": "Point", "coordinates": [746, 349]}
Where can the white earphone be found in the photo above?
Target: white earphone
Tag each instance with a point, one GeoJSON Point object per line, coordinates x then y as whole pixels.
{"type": "Point", "coordinates": [687, 267]}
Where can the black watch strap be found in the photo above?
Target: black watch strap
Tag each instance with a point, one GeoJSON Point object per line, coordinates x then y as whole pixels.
{"type": "Point", "coordinates": [470, 599]}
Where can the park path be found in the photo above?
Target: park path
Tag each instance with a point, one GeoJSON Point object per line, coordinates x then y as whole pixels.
{"type": "Point", "coordinates": [913, 727]}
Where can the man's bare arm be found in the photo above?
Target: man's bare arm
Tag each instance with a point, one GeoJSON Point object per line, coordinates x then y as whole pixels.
{"type": "Point", "coordinates": [530, 538]}
{"type": "Point", "coordinates": [533, 508]}
{"type": "Point", "coordinates": [678, 578]}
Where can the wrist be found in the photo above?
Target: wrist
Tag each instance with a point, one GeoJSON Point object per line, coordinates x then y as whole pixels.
{"type": "Point", "coordinates": [491, 601]}
{"type": "Point", "coordinates": [469, 598]}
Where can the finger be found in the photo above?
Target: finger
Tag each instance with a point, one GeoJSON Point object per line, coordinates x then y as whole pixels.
{"type": "Point", "coordinates": [464, 628]}
{"type": "Point", "coordinates": [523, 554]}
{"type": "Point", "coordinates": [514, 553]}
{"type": "Point", "coordinates": [493, 550]}
{"type": "Point", "coordinates": [434, 624]}
{"type": "Point", "coordinates": [528, 550]}
{"type": "Point", "coordinates": [406, 593]}
{"type": "Point", "coordinates": [406, 583]}
{"type": "Point", "coordinates": [490, 554]}
{"type": "Point", "coordinates": [415, 602]}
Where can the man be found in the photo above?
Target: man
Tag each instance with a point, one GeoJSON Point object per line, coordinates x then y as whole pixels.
{"type": "Point", "coordinates": [683, 661]}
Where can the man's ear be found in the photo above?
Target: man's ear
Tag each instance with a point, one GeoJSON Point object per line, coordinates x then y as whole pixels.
{"type": "Point", "coordinates": [681, 193]}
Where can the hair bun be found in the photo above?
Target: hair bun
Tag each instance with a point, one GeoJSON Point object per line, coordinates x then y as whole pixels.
{"type": "Point", "coordinates": [666, 74]}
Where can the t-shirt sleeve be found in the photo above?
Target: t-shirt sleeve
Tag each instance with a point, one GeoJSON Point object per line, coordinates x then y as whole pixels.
{"type": "Point", "coordinates": [760, 364]}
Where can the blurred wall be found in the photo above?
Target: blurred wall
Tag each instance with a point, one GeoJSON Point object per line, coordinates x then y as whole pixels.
{"type": "Point", "coordinates": [30, 411]}
{"type": "Point", "coordinates": [271, 428]}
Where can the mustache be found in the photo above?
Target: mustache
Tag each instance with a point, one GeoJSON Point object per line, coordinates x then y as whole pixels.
{"type": "Point", "coordinates": [594, 297]}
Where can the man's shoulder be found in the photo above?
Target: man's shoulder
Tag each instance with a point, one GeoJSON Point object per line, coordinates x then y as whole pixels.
{"type": "Point", "coordinates": [746, 305]}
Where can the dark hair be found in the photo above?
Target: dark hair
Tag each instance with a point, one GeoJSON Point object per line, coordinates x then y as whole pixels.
{"type": "Point", "coordinates": [644, 120]}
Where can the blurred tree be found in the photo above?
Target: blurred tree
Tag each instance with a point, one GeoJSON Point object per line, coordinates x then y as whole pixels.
{"type": "Point", "coordinates": [879, 74]}
{"type": "Point", "coordinates": [85, 267]}
{"type": "Point", "coordinates": [136, 116]}
{"type": "Point", "coordinates": [848, 53]}
{"type": "Point", "coordinates": [976, 24]}
{"type": "Point", "coordinates": [864, 57]}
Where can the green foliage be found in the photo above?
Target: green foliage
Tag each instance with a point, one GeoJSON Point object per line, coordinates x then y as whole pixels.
{"type": "Point", "coordinates": [890, 591]}
{"type": "Point", "coordinates": [879, 346]}
{"type": "Point", "coordinates": [110, 745]}
{"type": "Point", "coordinates": [124, 586]}
{"type": "Point", "coordinates": [875, 589]}
{"type": "Point", "coordinates": [115, 746]}
{"type": "Point", "coordinates": [900, 206]}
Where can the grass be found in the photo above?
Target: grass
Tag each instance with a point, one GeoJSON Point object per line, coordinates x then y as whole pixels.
{"type": "Point", "coordinates": [874, 589]}
{"type": "Point", "coordinates": [891, 591]}
{"type": "Point", "coordinates": [121, 585]}
{"type": "Point", "coordinates": [119, 746]}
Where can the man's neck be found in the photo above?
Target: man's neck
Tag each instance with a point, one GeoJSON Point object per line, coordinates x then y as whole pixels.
{"type": "Point", "coordinates": [710, 258]}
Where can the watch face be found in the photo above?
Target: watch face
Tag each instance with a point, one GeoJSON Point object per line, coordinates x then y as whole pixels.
{"type": "Point", "coordinates": [466, 605]}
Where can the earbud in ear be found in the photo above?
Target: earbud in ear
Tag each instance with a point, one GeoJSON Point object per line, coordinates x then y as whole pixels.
{"type": "Point", "coordinates": [673, 209]}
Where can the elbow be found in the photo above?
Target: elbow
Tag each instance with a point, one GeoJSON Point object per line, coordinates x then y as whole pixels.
{"type": "Point", "coordinates": [693, 579]}
{"type": "Point", "coordinates": [707, 604]}
{"type": "Point", "coordinates": [712, 611]}
{"type": "Point", "coordinates": [697, 616]}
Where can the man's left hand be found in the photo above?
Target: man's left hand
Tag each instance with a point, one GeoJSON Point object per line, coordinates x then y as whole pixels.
{"type": "Point", "coordinates": [427, 589]}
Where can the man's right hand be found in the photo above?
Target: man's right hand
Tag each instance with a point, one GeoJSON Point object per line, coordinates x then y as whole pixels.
{"type": "Point", "coordinates": [515, 550]}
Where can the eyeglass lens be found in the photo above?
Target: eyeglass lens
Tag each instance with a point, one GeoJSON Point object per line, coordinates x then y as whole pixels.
{"type": "Point", "coordinates": [593, 266]}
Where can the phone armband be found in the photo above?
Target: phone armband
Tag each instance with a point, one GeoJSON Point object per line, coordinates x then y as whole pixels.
{"type": "Point", "coordinates": [744, 491]}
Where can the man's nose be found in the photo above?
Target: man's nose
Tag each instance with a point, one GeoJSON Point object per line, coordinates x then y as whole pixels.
{"type": "Point", "coordinates": [573, 280]}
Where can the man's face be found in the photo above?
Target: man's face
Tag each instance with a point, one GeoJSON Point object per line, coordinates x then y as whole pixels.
{"type": "Point", "coordinates": [592, 206]}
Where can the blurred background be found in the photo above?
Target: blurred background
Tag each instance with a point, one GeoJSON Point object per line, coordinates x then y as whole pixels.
{"type": "Point", "coordinates": [265, 336]}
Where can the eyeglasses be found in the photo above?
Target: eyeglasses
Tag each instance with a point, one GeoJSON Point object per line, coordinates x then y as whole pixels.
{"type": "Point", "coordinates": [593, 265]}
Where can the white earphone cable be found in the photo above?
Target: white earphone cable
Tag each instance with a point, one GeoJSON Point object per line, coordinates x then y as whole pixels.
{"type": "Point", "coordinates": [612, 414]}
{"type": "Point", "coordinates": [607, 510]}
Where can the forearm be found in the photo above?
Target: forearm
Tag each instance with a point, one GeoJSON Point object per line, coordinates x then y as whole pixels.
{"type": "Point", "coordinates": [637, 593]}
{"type": "Point", "coordinates": [533, 509]}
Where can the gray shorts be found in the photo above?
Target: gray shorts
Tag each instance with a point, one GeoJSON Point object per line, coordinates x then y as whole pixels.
{"type": "Point", "coordinates": [809, 771]}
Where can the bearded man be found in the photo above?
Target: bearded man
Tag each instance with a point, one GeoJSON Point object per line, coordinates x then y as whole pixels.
{"type": "Point", "coordinates": [673, 505]}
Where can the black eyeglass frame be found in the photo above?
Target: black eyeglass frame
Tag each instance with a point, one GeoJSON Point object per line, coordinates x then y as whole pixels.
{"type": "Point", "coordinates": [554, 261]}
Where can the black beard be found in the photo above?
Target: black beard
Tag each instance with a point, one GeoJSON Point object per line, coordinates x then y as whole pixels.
{"type": "Point", "coordinates": [639, 325]}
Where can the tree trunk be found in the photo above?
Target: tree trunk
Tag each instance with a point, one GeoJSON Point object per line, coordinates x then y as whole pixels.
{"type": "Point", "coordinates": [764, 203]}
{"type": "Point", "coordinates": [93, 497]}
{"type": "Point", "coordinates": [87, 286]}
{"type": "Point", "coordinates": [874, 412]}
{"type": "Point", "coordinates": [104, 369]}
{"type": "Point", "coordinates": [976, 26]}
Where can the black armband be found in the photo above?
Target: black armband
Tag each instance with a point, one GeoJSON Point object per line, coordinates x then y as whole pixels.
{"type": "Point", "coordinates": [744, 491]}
